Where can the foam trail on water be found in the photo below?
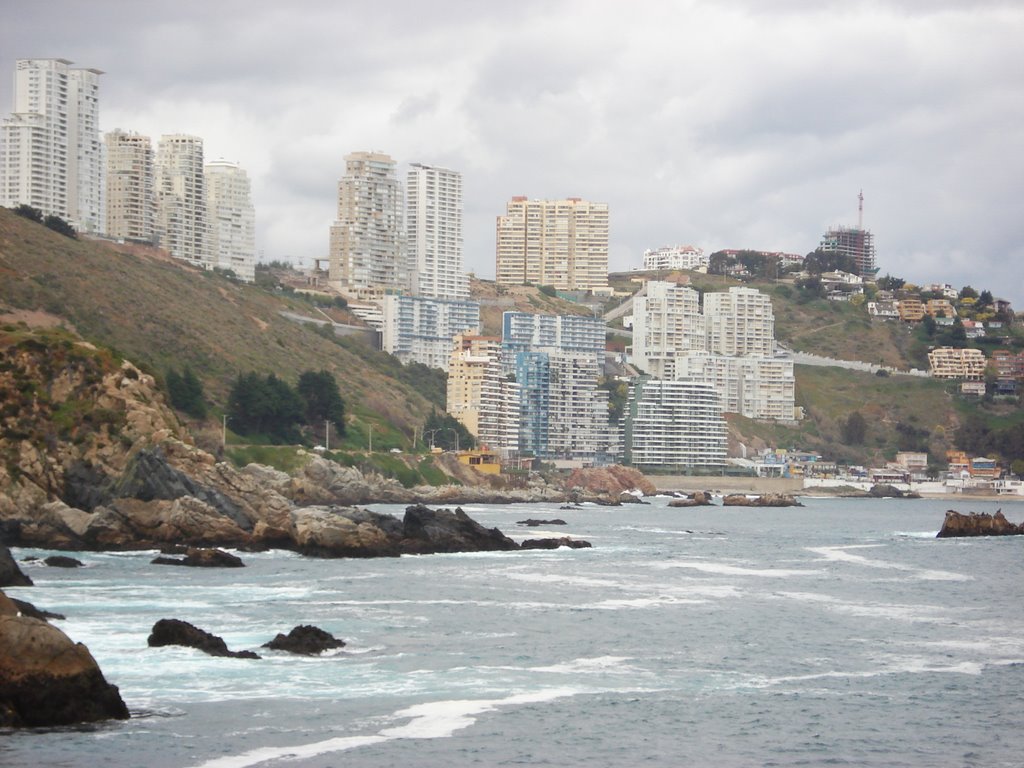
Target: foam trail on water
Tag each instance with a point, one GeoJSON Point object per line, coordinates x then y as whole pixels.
{"type": "Point", "coordinates": [841, 555]}
{"type": "Point", "coordinates": [432, 720]}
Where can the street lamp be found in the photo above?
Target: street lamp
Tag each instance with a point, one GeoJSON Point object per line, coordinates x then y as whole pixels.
{"type": "Point", "coordinates": [432, 433]}
{"type": "Point", "coordinates": [454, 432]}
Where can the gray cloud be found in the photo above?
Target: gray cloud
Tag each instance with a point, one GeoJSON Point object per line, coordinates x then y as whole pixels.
{"type": "Point", "coordinates": [723, 124]}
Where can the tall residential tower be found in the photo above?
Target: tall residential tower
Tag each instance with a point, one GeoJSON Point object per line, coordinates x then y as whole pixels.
{"type": "Point", "coordinates": [231, 218]}
{"type": "Point", "coordinates": [50, 152]}
{"type": "Point", "coordinates": [181, 199]}
{"type": "Point", "coordinates": [365, 246]}
{"type": "Point", "coordinates": [561, 243]}
{"type": "Point", "coordinates": [433, 220]}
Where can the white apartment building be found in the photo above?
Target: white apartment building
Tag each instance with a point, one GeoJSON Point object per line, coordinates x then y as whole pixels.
{"type": "Point", "coordinates": [675, 257]}
{"type": "Point", "coordinates": [131, 205]}
{"type": "Point", "coordinates": [51, 157]}
{"type": "Point", "coordinates": [181, 224]}
{"type": "Point", "coordinates": [755, 387]}
{"type": "Point", "coordinates": [953, 363]}
{"type": "Point", "coordinates": [231, 218]}
{"type": "Point", "coordinates": [480, 396]}
{"type": "Point", "coordinates": [366, 240]}
{"type": "Point", "coordinates": [420, 330]}
{"type": "Point", "coordinates": [433, 220]}
{"type": "Point", "coordinates": [674, 424]}
{"type": "Point", "coordinates": [740, 322]}
{"type": "Point", "coordinates": [527, 332]}
{"type": "Point", "coordinates": [667, 323]}
{"type": "Point", "coordinates": [561, 243]}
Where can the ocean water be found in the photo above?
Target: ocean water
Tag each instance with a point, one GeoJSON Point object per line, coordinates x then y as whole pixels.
{"type": "Point", "coordinates": [840, 633]}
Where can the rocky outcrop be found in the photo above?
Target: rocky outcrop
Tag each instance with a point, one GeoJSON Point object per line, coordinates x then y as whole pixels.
{"type": "Point", "coordinates": [63, 561]}
{"type": "Point", "coordinates": [887, 491]}
{"type": "Point", "coordinates": [974, 524]}
{"type": "Point", "coordinates": [766, 500]}
{"type": "Point", "coordinates": [306, 640]}
{"type": "Point", "coordinates": [534, 523]}
{"type": "Point", "coordinates": [426, 531]}
{"type": "Point", "coordinates": [48, 680]}
{"type": "Point", "coordinates": [10, 574]}
{"type": "Point", "coordinates": [177, 632]}
{"type": "Point", "coordinates": [565, 541]}
{"type": "Point", "coordinates": [696, 499]}
{"type": "Point", "coordinates": [607, 483]}
{"type": "Point", "coordinates": [202, 558]}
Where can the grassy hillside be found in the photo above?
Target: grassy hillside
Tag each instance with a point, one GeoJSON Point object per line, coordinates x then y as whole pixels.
{"type": "Point", "coordinates": [160, 313]}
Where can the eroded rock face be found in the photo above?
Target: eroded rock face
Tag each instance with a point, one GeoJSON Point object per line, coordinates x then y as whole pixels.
{"type": "Point", "coordinates": [10, 574]}
{"type": "Point", "coordinates": [306, 640]}
{"type": "Point", "coordinates": [178, 632]}
{"type": "Point", "coordinates": [202, 558]}
{"type": "Point", "coordinates": [46, 679]}
{"type": "Point", "coordinates": [957, 524]}
{"type": "Point", "coordinates": [564, 541]}
{"type": "Point", "coordinates": [427, 531]}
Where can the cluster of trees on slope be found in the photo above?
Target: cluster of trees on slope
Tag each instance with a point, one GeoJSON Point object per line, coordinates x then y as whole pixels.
{"type": "Point", "coordinates": [56, 223]}
{"type": "Point", "coordinates": [978, 438]}
{"type": "Point", "coordinates": [267, 405]}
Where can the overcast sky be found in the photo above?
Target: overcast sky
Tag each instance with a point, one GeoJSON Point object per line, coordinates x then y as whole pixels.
{"type": "Point", "coordinates": [723, 124]}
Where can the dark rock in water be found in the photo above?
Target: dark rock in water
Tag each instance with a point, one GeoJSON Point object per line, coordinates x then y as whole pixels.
{"type": "Point", "coordinates": [629, 498]}
{"type": "Point", "coordinates": [306, 640]}
{"type": "Point", "coordinates": [570, 506]}
{"type": "Point", "coordinates": [533, 522]}
{"type": "Point", "coordinates": [974, 524]}
{"type": "Point", "coordinates": [10, 574]}
{"type": "Point", "coordinates": [886, 491]}
{"type": "Point", "coordinates": [46, 679]}
{"type": "Point", "coordinates": [697, 499]}
{"type": "Point", "coordinates": [62, 561]}
{"type": "Point", "coordinates": [27, 609]}
{"type": "Point", "coordinates": [427, 531]}
{"type": "Point", "coordinates": [203, 558]}
{"type": "Point", "coordinates": [767, 500]}
{"type": "Point", "coordinates": [177, 632]}
{"type": "Point", "coordinates": [565, 541]}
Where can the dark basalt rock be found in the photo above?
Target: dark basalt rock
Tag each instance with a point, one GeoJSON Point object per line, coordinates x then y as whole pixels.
{"type": "Point", "coordinates": [48, 680]}
{"type": "Point", "coordinates": [177, 632]}
{"type": "Point", "coordinates": [886, 491]}
{"type": "Point", "coordinates": [427, 531]}
{"type": "Point", "coordinates": [202, 558]}
{"type": "Point", "coordinates": [533, 522]}
{"type": "Point", "coordinates": [974, 524]}
{"type": "Point", "coordinates": [10, 574]}
{"type": "Point", "coordinates": [306, 640]}
{"type": "Point", "coordinates": [62, 561]}
{"type": "Point", "coordinates": [27, 609]}
{"type": "Point", "coordinates": [565, 541]}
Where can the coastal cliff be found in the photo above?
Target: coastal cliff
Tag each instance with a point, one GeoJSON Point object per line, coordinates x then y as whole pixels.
{"type": "Point", "coordinates": [91, 457]}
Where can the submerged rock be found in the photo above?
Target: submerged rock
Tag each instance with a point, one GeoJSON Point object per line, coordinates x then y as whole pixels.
{"type": "Point", "coordinates": [177, 632]}
{"type": "Point", "coordinates": [975, 524]}
{"type": "Point", "coordinates": [46, 679]}
{"type": "Point", "coordinates": [533, 522]}
{"type": "Point", "coordinates": [63, 561]}
{"type": "Point", "coordinates": [203, 558]}
{"type": "Point", "coordinates": [565, 541]}
{"type": "Point", "coordinates": [766, 500]}
{"type": "Point", "coordinates": [306, 640]}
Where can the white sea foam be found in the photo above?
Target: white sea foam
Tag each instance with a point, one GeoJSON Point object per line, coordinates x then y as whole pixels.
{"type": "Point", "coordinates": [733, 570]}
{"type": "Point", "coordinates": [912, 613]}
{"type": "Point", "coordinates": [842, 555]}
{"type": "Point", "coordinates": [431, 720]}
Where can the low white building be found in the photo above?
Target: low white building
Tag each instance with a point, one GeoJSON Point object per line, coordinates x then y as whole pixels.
{"type": "Point", "coordinates": [675, 257]}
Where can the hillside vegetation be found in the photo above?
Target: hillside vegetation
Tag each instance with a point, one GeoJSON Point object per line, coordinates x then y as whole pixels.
{"type": "Point", "coordinates": [159, 313]}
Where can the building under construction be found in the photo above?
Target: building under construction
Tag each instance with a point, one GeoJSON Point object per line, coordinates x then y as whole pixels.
{"type": "Point", "coordinates": [855, 242]}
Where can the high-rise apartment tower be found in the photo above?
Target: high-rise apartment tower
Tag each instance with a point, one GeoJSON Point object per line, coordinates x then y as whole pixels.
{"type": "Point", "coordinates": [50, 152]}
{"type": "Point", "coordinates": [433, 220]}
{"type": "Point", "coordinates": [561, 243]}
